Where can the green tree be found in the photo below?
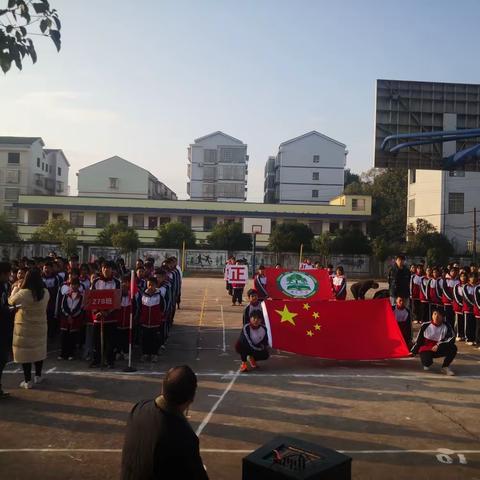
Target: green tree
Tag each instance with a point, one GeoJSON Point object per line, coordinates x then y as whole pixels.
{"type": "Point", "coordinates": [58, 231]}
{"type": "Point", "coordinates": [105, 236]}
{"type": "Point", "coordinates": [19, 21]}
{"type": "Point", "coordinates": [323, 245]}
{"type": "Point", "coordinates": [126, 240]}
{"type": "Point", "coordinates": [349, 177]}
{"type": "Point", "coordinates": [8, 231]}
{"type": "Point", "coordinates": [434, 245]}
{"type": "Point", "coordinates": [350, 242]}
{"type": "Point", "coordinates": [381, 249]}
{"type": "Point", "coordinates": [287, 237]}
{"type": "Point", "coordinates": [173, 234]}
{"type": "Point", "coordinates": [229, 236]}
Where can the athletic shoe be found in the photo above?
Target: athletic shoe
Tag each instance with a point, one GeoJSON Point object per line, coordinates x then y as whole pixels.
{"type": "Point", "coordinates": [469, 343]}
{"type": "Point", "coordinates": [59, 357]}
{"type": "Point", "coordinates": [448, 372]}
{"type": "Point", "coordinates": [252, 361]}
{"type": "Point", "coordinates": [243, 367]}
{"type": "Point", "coordinates": [26, 385]}
{"type": "Point", "coordinates": [3, 394]}
{"type": "Point", "coordinates": [37, 379]}
{"type": "Point", "coordinates": [458, 339]}
{"type": "Point", "coordinates": [71, 358]}
{"type": "Point", "coordinates": [427, 369]}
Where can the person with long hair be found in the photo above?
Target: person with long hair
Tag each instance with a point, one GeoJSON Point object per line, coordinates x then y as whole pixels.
{"type": "Point", "coordinates": [30, 326]}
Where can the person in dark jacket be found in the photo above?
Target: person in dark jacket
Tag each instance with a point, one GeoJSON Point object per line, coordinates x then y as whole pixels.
{"type": "Point", "coordinates": [399, 280]}
{"type": "Point", "coordinates": [253, 342]}
{"type": "Point", "coordinates": [159, 441]}
{"type": "Point", "coordinates": [436, 339]}
{"type": "Point", "coordinates": [360, 289]}
{"type": "Point", "coordinates": [6, 323]}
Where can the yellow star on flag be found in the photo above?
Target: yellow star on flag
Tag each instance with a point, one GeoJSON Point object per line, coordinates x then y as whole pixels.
{"type": "Point", "coordinates": [309, 333]}
{"type": "Point", "coordinates": [317, 326]}
{"type": "Point", "coordinates": [315, 315]}
{"type": "Point", "coordinates": [286, 315]}
{"type": "Point", "coordinates": [306, 306]}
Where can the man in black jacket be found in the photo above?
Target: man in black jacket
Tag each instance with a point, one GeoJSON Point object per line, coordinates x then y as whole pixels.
{"type": "Point", "coordinates": [5, 321]}
{"type": "Point", "coordinates": [399, 280]}
{"type": "Point", "coordinates": [159, 442]}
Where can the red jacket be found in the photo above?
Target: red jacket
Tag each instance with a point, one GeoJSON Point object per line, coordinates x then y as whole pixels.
{"type": "Point", "coordinates": [468, 298]}
{"type": "Point", "coordinates": [152, 310]}
{"type": "Point", "coordinates": [72, 316]}
{"type": "Point", "coordinates": [339, 283]}
{"type": "Point", "coordinates": [458, 298]}
{"type": "Point", "coordinates": [125, 312]}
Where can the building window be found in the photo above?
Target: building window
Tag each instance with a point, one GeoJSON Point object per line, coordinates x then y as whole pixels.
{"type": "Point", "coordinates": [164, 220]}
{"type": "Point", "coordinates": [186, 220]}
{"type": "Point", "coordinates": [358, 204]}
{"type": "Point", "coordinates": [102, 219]}
{"type": "Point", "coordinates": [76, 219]}
{"type": "Point", "coordinates": [38, 162]}
{"type": "Point", "coordinates": [11, 213]}
{"type": "Point", "coordinates": [14, 157]}
{"type": "Point", "coordinates": [11, 194]}
{"type": "Point", "coordinates": [152, 223]}
{"type": "Point", "coordinates": [314, 193]}
{"type": "Point", "coordinates": [138, 221]}
{"type": "Point", "coordinates": [59, 171]}
{"type": "Point", "coordinates": [315, 176]}
{"type": "Point", "coordinates": [113, 182]}
{"type": "Point", "coordinates": [57, 215]}
{"type": "Point", "coordinates": [209, 223]}
{"type": "Point", "coordinates": [456, 203]}
{"type": "Point", "coordinates": [456, 173]}
{"type": "Point", "coordinates": [13, 176]}
{"type": "Point", "coordinates": [123, 220]}
{"type": "Point", "coordinates": [413, 175]}
{"type": "Point", "coordinates": [316, 159]}
{"type": "Point", "coordinates": [316, 226]}
{"type": "Point", "coordinates": [411, 207]}
{"type": "Point", "coordinates": [333, 227]}
{"type": "Point", "coordinates": [43, 166]}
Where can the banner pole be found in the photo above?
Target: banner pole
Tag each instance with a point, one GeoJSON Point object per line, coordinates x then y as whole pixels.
{"type": "Point", "coordinates": [129, 368]}
{"type": "Point", "coordinates": [301, 255]}
{"type": "Point", "coordinates": [102, 356]}
{"type": "Point", "coordinates": [183, 256]}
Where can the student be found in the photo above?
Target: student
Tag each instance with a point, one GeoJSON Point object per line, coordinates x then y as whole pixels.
{"type": "Point", "coordinates": [6, 321]}
{"type": "Point", "coordinates": [468, 292]}
{"type": "Point", "coordinates": [260, 283]}
{"type": "Point", "coordinates": [237, 287]}
{"type": "Point", "coordinates": [436, 339]}
{"type": "Point", "coordinates": [85, 276]}
{"type": "Point", "coordinates": [228, 286]}
{"type": "Point", "coordinates": [424, 303]}
{"type": "Point", "coordinates": [253, 342]}
{"type": "Point", "coordinates": [447, 286]}
{"type": "Point", "coordinates": [476, 312]}
{"type": "Point", "coordinates": [404, 321]}
{"type": "Point", "coordinates": [360, 289]}
{"type": "Point", "coordinates": [434, 292]}
{"type": "Point", "coordinates": [339, 283]}
{"type": "Point", "coordinates": [254, 305]}
{"type": "Point", "coordinates": [151, 320]}
{"type": "Point", "coordinates": [52, 284]}
{"type": "Point", "coordinates": [457, 305]}
{"type": "Point", "coordinates": [330, 271]}
{"type": "Point", "coordinates": [123, 327]}
{"type": "Point", "coordinates": [71, 319]}
{"type": "Point", "coordinates": [415, 287]}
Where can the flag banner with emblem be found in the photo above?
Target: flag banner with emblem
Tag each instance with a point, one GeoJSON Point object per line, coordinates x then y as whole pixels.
{"type": "Point", "coordinates": [355, 330]}
{"type": "Point", "coordinates": [298, 284]}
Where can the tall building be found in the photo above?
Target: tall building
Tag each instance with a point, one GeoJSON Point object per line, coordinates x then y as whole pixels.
{"type": "Point", "coordinates": [217, 168]}
{"type": "Point", "coordinates": [306, 169]}
{"type": "Point", "coordinates": [269, 182]}
{"type": "Point", "coordinates": [119, 178]}
{"type": "Point", "coordinates": [446, 199]}
{"type": "Point", "coordinates": [26, 168]}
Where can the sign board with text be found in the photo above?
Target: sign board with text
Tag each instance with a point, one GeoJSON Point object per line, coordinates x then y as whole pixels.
{"type": "Point", "coordinates": [102, 299]}
{"type": "Point", "coordinates": [236, 274]}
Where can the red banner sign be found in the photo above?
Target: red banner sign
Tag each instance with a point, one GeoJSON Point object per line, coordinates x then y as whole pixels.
{"type": "Point", "coordinates": [236, 274]}
{"type": "Point", "coordinates": [102, 299]}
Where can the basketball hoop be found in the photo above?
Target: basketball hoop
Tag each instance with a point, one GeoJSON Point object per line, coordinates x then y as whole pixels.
{"type": "Point", "coordinates": [256, 229]}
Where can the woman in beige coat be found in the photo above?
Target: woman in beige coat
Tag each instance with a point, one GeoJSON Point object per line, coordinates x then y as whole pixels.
{"type": "Point", "coordinates": [30, 329]}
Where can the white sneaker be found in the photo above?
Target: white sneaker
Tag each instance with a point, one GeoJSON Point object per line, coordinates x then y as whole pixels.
{"type": "Point", "coordinates": [469, 343]}
{"type": "Point", "coordinates": [427, 369]}
{"type": "Point", "coordinates": [458, 339]}
{"type": "Point", "coordinates": [37, 379]}
{"type": "Point", "coordinates": [26, 385]}
{"type": "Point", "coordinates": [448, 372]}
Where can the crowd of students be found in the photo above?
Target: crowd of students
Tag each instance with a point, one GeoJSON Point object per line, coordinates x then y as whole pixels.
{"type": "Point", "coordinates": [57, 289]}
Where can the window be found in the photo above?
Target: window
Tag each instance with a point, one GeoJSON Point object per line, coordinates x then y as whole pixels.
{"type": "Point", "coordinates": [76, 219]}
{"type": "Point", "coordinates": [411, 207]}
{"type": "Point", "coordinates": [210, 156]}
{"type": "Point", "coordinates": [60, 187]}
{"type": "Point", "coordinates": [316, 159]}
{"type": "Point", "coordinates": [413, 176]}
{"type": "Point", "coordinates": [11, 194]}
{"type": "Point", "coordinates": [43, 166]}
{"type": "Point", "coordinates": [209, 223]}
{"type": "Point", "coordinates": [13, 176]}
{"type": "Point", "coordinates": [102, 219]}
{"type": "Point", "coordinates": [57, 215]}
{"type": "Point", "coordinates": [358, 204]}
{"type": "Point", "coordinates": [59, 171]}
{"type": "Point", "coordinates": [456, 203]}
{"type": "Point", "coordinates": [333, 227]}
{"type": "Point", "coordinates": [38, 162]}
{"type": "Point", "coordinates": [14, 157]}
{"type": "Point", "coordinates": [138, 220]}
{"type": "Point", "coordinates": [456, 173]}
{"type": "Point", "coordinates": [11, 212]}
{"type": "Point", "coordinates": [152, 223]}
{"type": "Point", "coordinates": [113, 182]}
{"type": "Point", "coordinates": [123, 219]}
{"type": "Point", "coordinates": [316, 226]}
{"type": "Point", "coordinates": [314, 193]}
{"type": "Point", "coordinates": [164, 220]}
{"type": "Point", "coordinates": [186, 220]}
{"type": "Point", "coordinates": [315, 176]}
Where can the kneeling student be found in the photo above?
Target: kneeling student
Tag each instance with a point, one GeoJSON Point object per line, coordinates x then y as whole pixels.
{"type": "Point", "coordinates": [253, 342]}
{"type": "Point", "coordinates": [403, 318]}
{"type": "Point", "coordinates": [436, 339]}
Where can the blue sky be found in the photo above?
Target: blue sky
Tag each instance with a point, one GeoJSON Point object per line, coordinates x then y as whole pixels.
{"type": "Point", "coordinates": [142, 79]}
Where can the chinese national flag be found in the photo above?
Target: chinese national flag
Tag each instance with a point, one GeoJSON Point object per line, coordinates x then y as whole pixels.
{"type": "Point", "coordinates": [354, 330]}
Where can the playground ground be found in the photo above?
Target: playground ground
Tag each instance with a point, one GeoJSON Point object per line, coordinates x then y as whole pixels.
{"type": "Point", "coordinates": [394, 420]}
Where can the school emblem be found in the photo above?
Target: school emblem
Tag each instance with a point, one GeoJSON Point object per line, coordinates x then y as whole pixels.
{"type": "Point", "coordinates": [297, 284]}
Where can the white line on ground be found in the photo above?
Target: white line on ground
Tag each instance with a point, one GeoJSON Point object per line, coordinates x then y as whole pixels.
{"type": "Point", "coordinates": [216, 404]}
{"type": "Point", "coordinates": [223, 327]}
{"type": "Point", "coordinates": [51, 370]}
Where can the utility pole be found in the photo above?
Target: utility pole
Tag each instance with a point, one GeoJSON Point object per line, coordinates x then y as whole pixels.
{"type": "Point", "coordinates": [474, 246]}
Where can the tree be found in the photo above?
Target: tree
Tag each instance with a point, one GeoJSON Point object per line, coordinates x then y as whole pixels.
{"type": "Point", "coordinates": [381, 249]}
{"type": "Point", "coordinates": [350, 242]}
{"type": "Point", "coordinates": [18, 22]}
{"type": "Point", "coordinates": [229, 236]}
{"type": "Point", "coordinates": [126, 240]}
{"type": "Point", "coordinates": [173, 234]}
{"type": "Point", "coordinates": [350, 177]}
{"type": "Point", "coordinates": [425, 241]}
{"type": "Point", "coordinates": [59, 231]}
{"type": "Point", "coordinates": [105, 236]}
{"type": "Point", "coordinates": [8, 231]}
{"type": "Point", "coordinates": [287, 237]}
{"type": "Point", "coordinates": [421, 226]}
{"type": "Point", "coordinates": [323, 244]}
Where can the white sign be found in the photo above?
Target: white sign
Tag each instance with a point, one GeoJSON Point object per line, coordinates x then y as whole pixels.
{"type": "Point", "coordinates": [236, 274]}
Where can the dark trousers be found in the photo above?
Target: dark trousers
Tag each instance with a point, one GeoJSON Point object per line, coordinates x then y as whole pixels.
{"type": "Point", "coordinates": [450, 316]}
{"type": "Point", "coordinates": [27, 370]}
{"type": "Point", "coordinates": [406, 329]}
{"type": "Point", "coordinates": [477, 335]}
{"type": "Point", "coordinates": [109, 339]}
{"type": "Point", "coordinates": [52, 324]}
{"type": "Point", "coordinates": [150, 340]}
{"type": "Point", "coordinates": [460, 324]}
{"type": "Point", "coordinates": [447, 350]}
{"type": "Point", "coordinates": [229, 288]}
{"type": "Point", "coordinates": [470, 327]}
{"type": "Point", "coordinates": [122, 340]}
{"type": "Point", "coordinates": [417, 310]}
{"type": "Point", "coordinates": [237, 295]}
{"type": "Point", "coordinates": [69, 342]}
{"type": "Point", "coordinates": [425, 312]}
{"type": "Point", "coordinates": [245, 351]}
{"type": "Point", "coordinates": [3, 362]}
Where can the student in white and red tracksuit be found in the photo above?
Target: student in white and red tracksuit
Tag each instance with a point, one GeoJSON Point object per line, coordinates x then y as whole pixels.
{"type": "Point", "coordinates": [468, 304]}
{"type": "Point", "coordinates": [71, 319]}
{"type": "Point", "coordinates": [253, 342]}
{"type": "Point", "coordinates": [109, 318]}
{"type": "Point", "coordinates": [415, 287]}
{"type": "Point", "coordinates": [424, 303]}
{"type": "Point", "coordinates": [447, 285]}
{"type": "Point", "coordinates": [404, 320]}
{"type": "Point", "coordinates": [458, 306]}
{"type": "Point", "coordinates": [434, 291]}
{"type": "Point", "coordinates": [123, 327]}
{"type": "Point", "coordinates": [476, 312]}
{"type": "Point", "coordinates": [339, 284]}
{"type": "Point", "coordinates": [260, 283]}
{"type": "Point", "coordinates": [152, 316]}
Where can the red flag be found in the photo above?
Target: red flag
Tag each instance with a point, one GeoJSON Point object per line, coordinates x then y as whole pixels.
{"type": "Point", "coordinates": [355, 330]}
{"type": "Point", "coordinates": [310, 284]}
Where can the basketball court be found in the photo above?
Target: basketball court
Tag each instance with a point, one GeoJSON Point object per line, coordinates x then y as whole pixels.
{"type": "Point", "coordinates": [395, 421]}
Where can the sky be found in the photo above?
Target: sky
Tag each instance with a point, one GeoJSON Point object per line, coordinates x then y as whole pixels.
{"type": "Point", "coordinates": [142, 79]}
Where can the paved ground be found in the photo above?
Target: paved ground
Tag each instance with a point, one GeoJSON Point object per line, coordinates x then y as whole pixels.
{"type": "Point", "coordinates": [394, 421]}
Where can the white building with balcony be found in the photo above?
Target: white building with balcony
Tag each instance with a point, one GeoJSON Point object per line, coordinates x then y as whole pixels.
{"type": "Point", "coordinates": [217, 168]}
